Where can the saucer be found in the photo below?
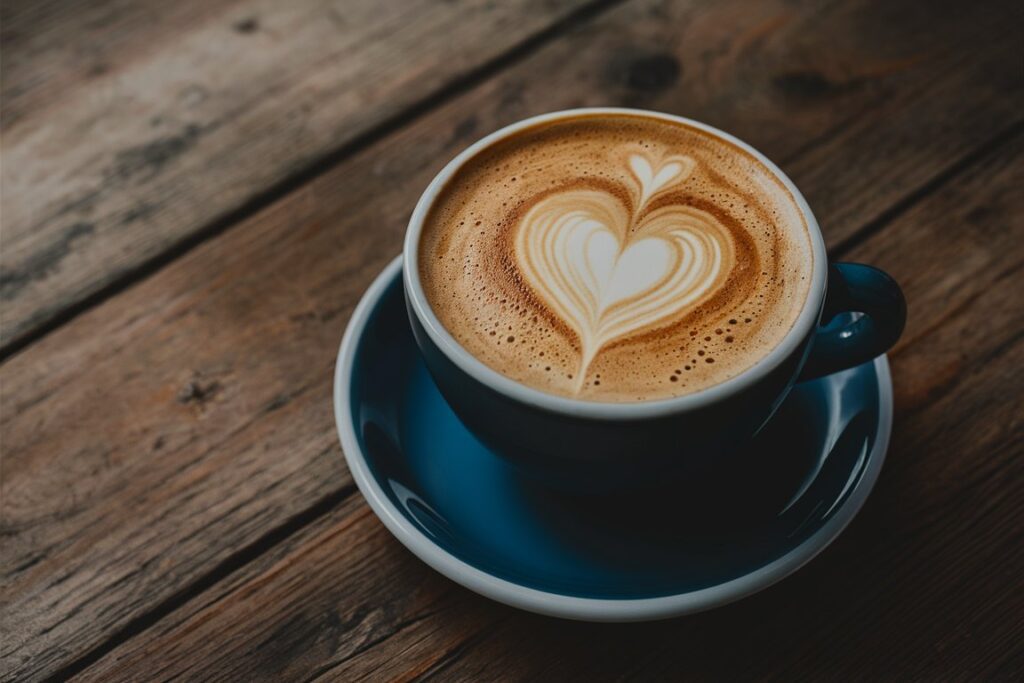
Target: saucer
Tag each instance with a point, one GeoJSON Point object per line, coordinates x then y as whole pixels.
{"type": "Point", "coordinates": [674, 551]}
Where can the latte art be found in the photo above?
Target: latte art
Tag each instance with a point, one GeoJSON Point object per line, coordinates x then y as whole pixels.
{"type": "Point", "coordinates": [616, 258]}
{"type": "Point", "coordinates": [610, 272]}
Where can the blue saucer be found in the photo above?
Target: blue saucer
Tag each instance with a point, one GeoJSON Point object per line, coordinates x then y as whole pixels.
{"type": "Point", "coordinates": [466, 513]}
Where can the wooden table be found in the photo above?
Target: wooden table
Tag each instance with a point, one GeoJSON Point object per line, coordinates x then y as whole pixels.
{"type": "Point", "coordinates": [195, 195]}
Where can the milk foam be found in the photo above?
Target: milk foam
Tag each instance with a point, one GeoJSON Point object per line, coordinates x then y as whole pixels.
{"type": "Point", "coordinates": [609, 273]}
{"type": "Point", "coordinates": [616, 258]}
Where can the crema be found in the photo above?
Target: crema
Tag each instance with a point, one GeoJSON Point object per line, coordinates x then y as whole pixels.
{"type": "Point", "coordinates": [616, 258]}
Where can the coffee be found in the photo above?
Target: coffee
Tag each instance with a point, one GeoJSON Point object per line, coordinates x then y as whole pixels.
{"type": "Point", "coordinates": [616, 257]}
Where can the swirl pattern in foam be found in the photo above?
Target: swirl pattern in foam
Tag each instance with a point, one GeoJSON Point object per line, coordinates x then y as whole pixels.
{"type": "Point", "coordinates": [578, 251]}
{"type": "Point", "coordinates": [616, 258]}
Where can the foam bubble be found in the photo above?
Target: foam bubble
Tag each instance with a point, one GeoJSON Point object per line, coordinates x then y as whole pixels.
{"type": "Point", "coordinates": [604, 256]}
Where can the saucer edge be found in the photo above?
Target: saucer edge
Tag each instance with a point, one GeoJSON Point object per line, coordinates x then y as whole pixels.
{"type": "Point", "coordinates": [573, 607]}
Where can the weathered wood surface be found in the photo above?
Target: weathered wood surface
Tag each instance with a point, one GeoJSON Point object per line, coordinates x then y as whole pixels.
{"type": "Point", "coordinates": [118, 149]}
{"type": "Point", "coordinates": [173, 490]}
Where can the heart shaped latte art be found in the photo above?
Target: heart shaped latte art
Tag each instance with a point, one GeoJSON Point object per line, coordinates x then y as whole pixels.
{"type": "Point", "coordinates": [607, 275]}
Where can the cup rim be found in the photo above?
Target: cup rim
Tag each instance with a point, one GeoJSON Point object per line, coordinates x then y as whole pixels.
{"type": "Point", "coordinates": [601, 410]}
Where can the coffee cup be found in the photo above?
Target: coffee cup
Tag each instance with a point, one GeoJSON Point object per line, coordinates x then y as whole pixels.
{"type": "Point", "coordinates": [583, 442]}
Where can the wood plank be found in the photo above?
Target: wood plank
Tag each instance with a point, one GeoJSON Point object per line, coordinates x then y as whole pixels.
{"type": "Point", "coordinates": [51, 46]}
{"type": "Point", "coordinates": [920, 587]}
{"type": "Point", "coordinates": [158, 436]}
{"type": "Point", "coordinates": [362, 608]}
{"type": "Point", "coordinates": [158, 135]}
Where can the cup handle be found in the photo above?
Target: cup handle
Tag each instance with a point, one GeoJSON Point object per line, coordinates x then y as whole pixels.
{"type": "Point", "coordinates": [854, 287]}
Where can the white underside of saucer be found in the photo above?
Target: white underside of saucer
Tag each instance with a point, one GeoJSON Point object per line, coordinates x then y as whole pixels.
{"type": "Point", "coordinates": [572, 607]}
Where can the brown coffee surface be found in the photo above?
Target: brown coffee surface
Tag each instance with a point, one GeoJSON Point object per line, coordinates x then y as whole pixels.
{"type": "Point", "coordinates": [616, 258]}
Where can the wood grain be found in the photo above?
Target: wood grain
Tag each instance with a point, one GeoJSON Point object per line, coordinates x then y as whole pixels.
{"type": "Point", "coordinates": [154, 444]}
{"type": "Point", "coordinates": [334, 561]}
{"type": "Point", "coordinates": [930, 535]}
{"type": "Point", "coordinates": [53, 46]}
{"type": "Point", "coordinates": [154, 137]}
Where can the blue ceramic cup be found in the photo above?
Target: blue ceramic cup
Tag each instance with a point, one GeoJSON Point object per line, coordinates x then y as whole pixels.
{"type": "Point", "coordinates": [592, 446]}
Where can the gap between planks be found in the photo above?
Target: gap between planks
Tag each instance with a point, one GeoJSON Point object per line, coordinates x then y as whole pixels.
{"type": "Point", "coordinates": [914, 197]}
{"type": "Point", "coordinates": [389, 125]}
{"type": "Point", "coordinates": [329, 503]}
{"type": "Point", "coordinates": [223, 569]}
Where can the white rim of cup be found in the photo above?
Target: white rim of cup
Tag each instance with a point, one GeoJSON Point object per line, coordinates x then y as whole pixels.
{"type": "Point", "coordinates": [484, 374]}
{"type": "Point", "coordinates": [567, 606]}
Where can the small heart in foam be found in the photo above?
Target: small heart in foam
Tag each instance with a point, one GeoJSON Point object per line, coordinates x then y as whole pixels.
{"type": "Point", "coordinates": [651, 182]}
{"type": "Point", "coordinates": [608, 276]}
